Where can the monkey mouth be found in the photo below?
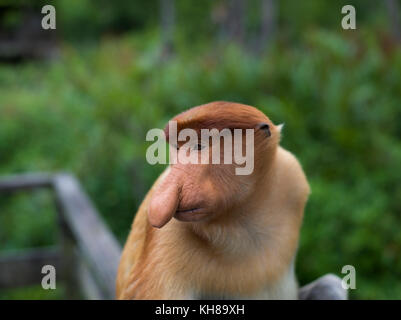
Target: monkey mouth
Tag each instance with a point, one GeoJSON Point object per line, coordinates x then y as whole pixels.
{"type": "Point", "coordinates": [194, 214]}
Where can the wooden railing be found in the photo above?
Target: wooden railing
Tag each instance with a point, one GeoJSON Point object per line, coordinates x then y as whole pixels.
{"type": "Point", "coordinates": [86, 257]}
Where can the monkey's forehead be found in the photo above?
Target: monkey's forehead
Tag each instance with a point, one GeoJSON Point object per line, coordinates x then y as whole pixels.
{"type": "Point", "coordinates": [220, 115]}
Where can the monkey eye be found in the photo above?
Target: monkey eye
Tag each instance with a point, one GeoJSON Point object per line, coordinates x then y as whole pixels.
{"type": "Point", "coordinates": [198, 147]}
{"type": "Point", "coordinates": [264, 127]}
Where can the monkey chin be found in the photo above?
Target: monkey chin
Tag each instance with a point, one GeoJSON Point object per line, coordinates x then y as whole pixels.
{"type": "Point", "coordinates": [191, 215]}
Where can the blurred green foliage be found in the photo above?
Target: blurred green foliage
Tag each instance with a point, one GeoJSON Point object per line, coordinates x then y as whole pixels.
{"type": "Point", "coordinates": [338, 93]}
{"type": "Point", "coordinates": [27, 220]}
{"type": "Point", "coordinates": [33, 293]}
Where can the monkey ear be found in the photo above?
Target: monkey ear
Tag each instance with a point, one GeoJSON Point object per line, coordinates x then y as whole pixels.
{"type": "Point", "coordinates": [280, 127]}
{"type": "Point", "coordinates": [264, 127]}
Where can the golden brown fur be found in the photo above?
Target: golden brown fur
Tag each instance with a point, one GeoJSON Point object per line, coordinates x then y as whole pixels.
{"type": "Point", "coordinates": [247, 248]}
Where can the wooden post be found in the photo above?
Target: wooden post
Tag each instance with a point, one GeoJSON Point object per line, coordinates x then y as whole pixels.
{"type": "Point", "coordinates": [95, 243]}
{"type": "Point", "coordinates": [68, 258]}
{"type": "Point", "coordinates": [268, 24]}
{"type": "Point", "coordinates": [167, 22]}
{"type": "Point", "coordinates": [88, 254]}
{"type": "Point", "coordinates": [393, 10]}
{"type": "Point", "coordinates": [236, 20]}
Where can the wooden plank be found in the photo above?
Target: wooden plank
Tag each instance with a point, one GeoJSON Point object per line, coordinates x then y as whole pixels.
{"type": "Point", "coordinates": [24, 267]}
{"type": "Point", "coordinates": [69, 259]}
{"type": "Point", "coordinates": [96, 243]}
{"type": "Point", "coordinates": [25, 181]}
{"type": "Point", "coordinates": [87, 283]}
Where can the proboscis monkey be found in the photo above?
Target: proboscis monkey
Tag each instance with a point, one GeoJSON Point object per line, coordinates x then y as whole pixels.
{"type": "Point", "coordinates": [232, 236]}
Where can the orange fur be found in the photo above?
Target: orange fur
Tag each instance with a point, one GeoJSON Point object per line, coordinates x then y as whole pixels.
{"type": "Point", "coordinates": [247, 244]}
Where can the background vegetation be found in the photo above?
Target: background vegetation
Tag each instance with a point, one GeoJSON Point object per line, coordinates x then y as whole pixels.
{"type": "Point", "coordinates": [337, 91]}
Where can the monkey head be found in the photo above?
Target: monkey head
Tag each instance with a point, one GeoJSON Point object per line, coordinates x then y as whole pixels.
{"type": "Point", "coordinates": [198, 191]}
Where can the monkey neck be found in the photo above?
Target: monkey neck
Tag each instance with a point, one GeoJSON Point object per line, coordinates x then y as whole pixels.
{"type": "Point", "coordinates": [264, 169]}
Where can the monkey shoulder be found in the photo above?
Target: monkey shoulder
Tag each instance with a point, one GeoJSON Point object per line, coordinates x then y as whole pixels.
{"type": "Point", "coordinates": [290, 177]}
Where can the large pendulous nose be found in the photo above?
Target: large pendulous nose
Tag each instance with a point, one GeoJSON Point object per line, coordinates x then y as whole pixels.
{"type": "Point", "coordinates": [164, 202]}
